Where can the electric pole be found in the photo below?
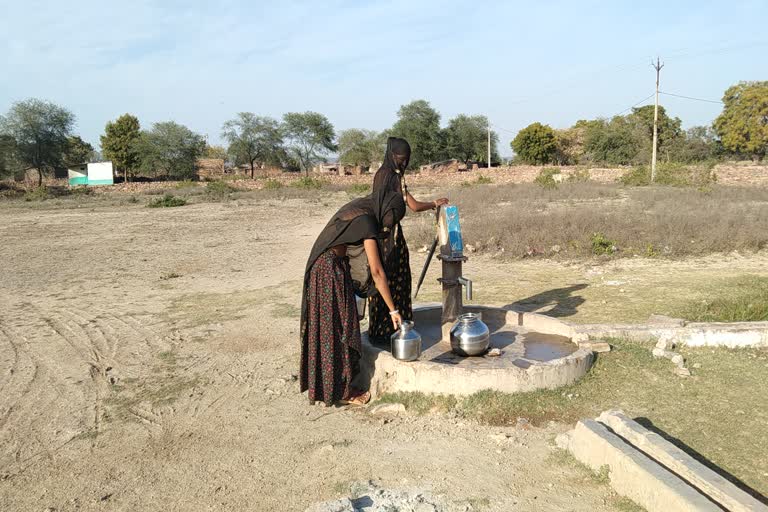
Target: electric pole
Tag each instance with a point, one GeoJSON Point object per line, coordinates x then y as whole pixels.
{"type": "Point", "coordinates": [657, 67]}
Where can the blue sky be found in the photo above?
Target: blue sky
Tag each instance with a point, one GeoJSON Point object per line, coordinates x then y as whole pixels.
{"type": "Point", "coordinates": [199, 63]}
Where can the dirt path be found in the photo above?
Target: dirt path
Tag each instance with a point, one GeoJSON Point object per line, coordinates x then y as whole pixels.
{"type": "Point", "coordinates": [148, 361]}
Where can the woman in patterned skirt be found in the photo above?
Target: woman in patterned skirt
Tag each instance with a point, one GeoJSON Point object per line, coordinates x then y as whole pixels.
{"type": "Point", "coordinates": [394, 250]}
{"type": "Point", "coordinates": [330, 330]}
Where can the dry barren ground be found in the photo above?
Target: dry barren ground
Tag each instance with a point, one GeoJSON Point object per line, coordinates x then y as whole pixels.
{"type": "Point", "coordinates": [148, 361]}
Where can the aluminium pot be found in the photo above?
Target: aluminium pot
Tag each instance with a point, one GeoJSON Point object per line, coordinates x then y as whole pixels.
{"type": "Point", "coordinates": [470, 336]}
{"type": "Point", "coordinates": [406, 342]}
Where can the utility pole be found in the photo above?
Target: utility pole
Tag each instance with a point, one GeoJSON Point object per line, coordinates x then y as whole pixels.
{"type": "Point", "coordinates": [489, 144]}
{"type": "Point", "coordinates": [657, 67]}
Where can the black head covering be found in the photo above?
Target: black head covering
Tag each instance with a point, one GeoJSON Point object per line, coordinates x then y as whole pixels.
{"type": "Point", "coordinates": [389, 174]}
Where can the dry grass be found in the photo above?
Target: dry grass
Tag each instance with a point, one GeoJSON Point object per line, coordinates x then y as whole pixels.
{"type": "Point", "coordinates": [528, 221]}
{"type": "Point", "coordinates": [719, 414]}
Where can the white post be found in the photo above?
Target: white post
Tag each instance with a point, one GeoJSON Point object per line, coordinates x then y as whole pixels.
{"type": "Point", "coordinates": [658, 67]}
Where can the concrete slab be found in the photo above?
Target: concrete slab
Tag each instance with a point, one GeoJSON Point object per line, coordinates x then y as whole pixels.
{"type": "Point", "coordinates": [632, 474]}
{"type": "Point", "coordinates": [682, 464]}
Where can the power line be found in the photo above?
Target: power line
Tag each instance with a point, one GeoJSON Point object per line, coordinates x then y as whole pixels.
{"type": "Point", "coordinates": [690, 98]}
{"type": "Point", "coordinates": [636, 104]}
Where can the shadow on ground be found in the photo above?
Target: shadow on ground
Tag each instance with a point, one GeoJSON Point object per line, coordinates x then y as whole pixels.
{"type": "Point", "coordinates": [563, 300]}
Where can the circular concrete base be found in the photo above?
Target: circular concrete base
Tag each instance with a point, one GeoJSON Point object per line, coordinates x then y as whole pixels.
{"type": "Point", "coordinates": [537, 352]}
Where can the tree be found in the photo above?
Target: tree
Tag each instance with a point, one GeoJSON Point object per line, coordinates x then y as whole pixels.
{"type": "Point", "coordinates": [419, 124]}
{"type": "Point", "coordinates": [569, 144]}
{"type": "Point", "coordinates": [670, 131]}
{"type": "Point", "coordinates": [254, 139]}
{"type": "Point", "coordinates": [40, 130]}
{"type": "Point", "coordinates": [361, 147]}
{"type": "Point", "coordinates": [310, 136]}
{"type": "Point", "coordinates": [743, 124]}
{"type": "Point", "coordinates": [215, 151]}
{"type": "Point", "coordinates": [615, 142]}
{"type": "Point", "coordinates": [78, 151]}
{"type": "Point", "coordinates": [466, 139]}
{"type": "Point", "coordinates": [120, 144]}
{"type": "Point", "coordinates": [535, 144]}
{"type": "Point", "coordinates": [171, 149]}
{"type": "Point", "coordinates": [7, 155]}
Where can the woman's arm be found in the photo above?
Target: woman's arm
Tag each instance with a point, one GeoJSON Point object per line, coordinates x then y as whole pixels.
{"type": "Point", "coordinates": [380, 279]}
{"type": "Point", "coordinates": [418, 206]}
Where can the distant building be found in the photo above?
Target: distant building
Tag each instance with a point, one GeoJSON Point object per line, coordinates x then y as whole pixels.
{"type": "Point", "coordinates": [97, 173]}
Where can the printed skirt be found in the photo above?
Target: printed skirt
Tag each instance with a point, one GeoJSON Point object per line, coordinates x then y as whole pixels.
{"type": "Point", "coordinates": [397, 266]}
{"type": "Point", "coordinates": [331, 348]}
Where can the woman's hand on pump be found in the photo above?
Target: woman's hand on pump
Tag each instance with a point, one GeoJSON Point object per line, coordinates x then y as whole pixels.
{"type": "Point", "coordinates": [440, 202]}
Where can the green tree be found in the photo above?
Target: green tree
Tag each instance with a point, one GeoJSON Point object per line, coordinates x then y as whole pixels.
{"type": "Point", "coordinates": [78, 151]}
{"type": "Point", "coordinates": [535, 144]}
{"type": "Point", "coordinates": [215, 151]}
{"type": "Point", "coordinates": [697, 144]}
{"type": "Point", "coordinates": [743, 124]}
{"type": "Point", "coordinates": [253, 139]}
{"type": "Point", "coordinates": [7, 155]}
{"type": "Point", "coordinates": [467, 139]}
{"type": "Point", "coordinates": [419, 124]}
{"type": "Point", "coordinates": [361, 147]}
{"type": "Point", "coordinates": [171, 149]}
{"type": "Point", "coordinates": [310, 136]}
{"type": "Point", "coordinates": [120, 144]}
{"type": "Point", "coordinates": [40, 130]}
{"type": "Point", "coordinates": [670, 132]}
{"type": "Point", "coordinates": [615, 142]}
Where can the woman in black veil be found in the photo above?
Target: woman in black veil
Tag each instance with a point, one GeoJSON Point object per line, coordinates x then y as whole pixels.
{"type": "Point", "coordinates": [394, 250]}
{"type": "Point", "coordinates": [330, 329]}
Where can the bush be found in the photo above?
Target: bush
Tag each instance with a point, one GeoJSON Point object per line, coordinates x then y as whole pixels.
{"type": "Point", "coordinates": [602, 245]}
{"type": "Point", "coordinates": [639, 176]}
{"type": "Point", "coordinates": [672, 174]}
{"type": "Point", "coordinates": [37, 194]}
{"type": "Point", "coordinates": [272, 184]}
{"type": "Point", "coordinates": [167, 201]}
{"type": "Point", "coordinates": [308, 183]}
{"type": "Point", "coordinates": [579, 176]}
{"type": "Point", "coordinates": [81, 191]}
{"type": "Point", "coordinates": [546, 178]}
{"type": "Point", "coordinates": [535, 144]}
{"type": "Point", "coordinates": [480, 180]}
{"type": "Point", "coordinates": [219, 189]}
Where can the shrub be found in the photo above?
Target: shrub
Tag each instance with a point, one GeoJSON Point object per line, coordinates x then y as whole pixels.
{"type": "Point", "coordinates": [602, 245]}
{"type": "Point", "coordinates": [579, 176]}
{"type": "Point", "coordinates": [273, 184]}
{"type": "Point", "coordinates": [480, 180]}
{"type": "Point", "coordinates": [671, 174]}
{"type": "Point", "coordinates": [37, 194]}
{"type": "Point", "coordinates": [167, 201]}
{"type": "Point", "coordinates": [308, 183]}
{"type": "Point", "coordinates": [219, 189]}
{"type": "Point", "coordinates": [358, 189]}
{"type": "Point", "coordinates": [639, 176]}
{"type": "Point", "coordinates": [546, 178]}
{"type": "Point", "coordinates": [81, 191]}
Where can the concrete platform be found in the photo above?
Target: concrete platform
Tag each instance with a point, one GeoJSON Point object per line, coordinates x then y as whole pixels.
{"type": "Point", "coordinates": [537, 353]}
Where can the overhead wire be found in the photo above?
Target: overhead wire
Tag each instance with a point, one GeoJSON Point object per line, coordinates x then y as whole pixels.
{"type": "Point", "coordinates": [690, 98]}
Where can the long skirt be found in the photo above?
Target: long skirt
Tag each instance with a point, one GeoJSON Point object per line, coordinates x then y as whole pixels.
{"type": "Point", "coordinates": [397, 266]}
{"type": "Point", "coordinates": [331, 348]}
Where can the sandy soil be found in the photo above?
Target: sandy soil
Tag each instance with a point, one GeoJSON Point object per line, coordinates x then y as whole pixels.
{"type": "Point", "coordinates": [148, 362]}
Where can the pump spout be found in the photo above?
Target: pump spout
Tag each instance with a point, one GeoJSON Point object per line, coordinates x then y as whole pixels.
{"type": "Point", "coordinates": [467, 284]}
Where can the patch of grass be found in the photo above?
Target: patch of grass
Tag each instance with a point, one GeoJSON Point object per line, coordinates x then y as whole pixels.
{"type": "Point", "coordinates": [546, 178]}
{"type": "Point", "coordinates": [169, 275]}
{"type": "Point", "coordinates": [308, 183]}
{"type": "Point", "coordinates": [37, 194]}
{"type": "Point", "coordinates": [167, 201]}
{"type": "Point", "coordinates": [421, 403]}
{"type": "Point", "coordinates": [578, 176]}
{"type": "Point", "coordinates": [359, 189]}
{"type": "Point", "coordinates": [273, 184]}
{"type": "Point", "coordinates": [639, 176]}
{"type": "Point", "coordinates": [717, 412]}
{"type": "Point", "coordinates": [480, 180]}
{"type": "Point", "coordinates": [81, 191]}
{"type": "Point", "coordinates": [742, 299]}
{"type": "Point", "coordinates": [186, 184]}
{"type": "Point", "coordinates": [671, 174]}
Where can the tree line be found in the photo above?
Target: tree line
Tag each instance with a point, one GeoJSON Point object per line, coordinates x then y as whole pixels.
{"type": "Point", "coordinates": [740, 131]}
{"type": "Point", "coordinates": [38, 135]}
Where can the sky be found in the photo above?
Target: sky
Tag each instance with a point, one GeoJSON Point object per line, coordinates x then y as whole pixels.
{"type": "Point", "coordinates": [200, 62]}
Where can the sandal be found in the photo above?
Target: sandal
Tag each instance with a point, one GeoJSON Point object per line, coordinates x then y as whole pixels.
{"type": "Point", "coordinates": [361, 398]}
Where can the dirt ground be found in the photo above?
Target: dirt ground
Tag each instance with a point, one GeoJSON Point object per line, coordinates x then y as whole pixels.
{"type": "Point", "coordinates": [148, 360]}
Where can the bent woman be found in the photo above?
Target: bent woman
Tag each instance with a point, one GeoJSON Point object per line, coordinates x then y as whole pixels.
{"type": "Point", "coordinates": [394, 250]}
{"type": "Point", "coordinates": [330, 330]}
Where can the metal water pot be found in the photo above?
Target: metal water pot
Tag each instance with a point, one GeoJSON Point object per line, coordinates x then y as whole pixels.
{"type": "Point", "coordinates": [360, 302]}
{"type": "Point", "coordinates": [406, 342]}
{"type": "Point", "coordinates": [469, 335]}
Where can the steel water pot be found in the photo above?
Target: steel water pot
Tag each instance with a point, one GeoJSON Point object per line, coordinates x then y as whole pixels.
{"type": "Point", "coordinates": [470, 336]}
{"type": "Point", "coordinates": [406, 342]}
